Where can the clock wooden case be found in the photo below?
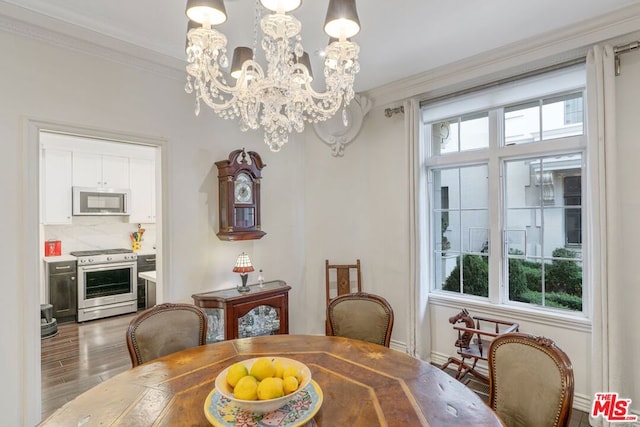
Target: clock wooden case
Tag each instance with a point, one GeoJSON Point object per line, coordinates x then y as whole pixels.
{"type": "Point", "coordinates": [239, 196]}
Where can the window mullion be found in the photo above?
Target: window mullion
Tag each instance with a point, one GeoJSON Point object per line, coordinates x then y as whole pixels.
{"type": "Point", "coordinates": [495, 217]}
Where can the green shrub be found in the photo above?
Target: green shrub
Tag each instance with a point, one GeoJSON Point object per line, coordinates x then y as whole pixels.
{"type": "Point", "coordinates": [572, 302]}
{"type": "Point", "coordinates": [558, 300]}
{"type": "Point", "coordinates": [517, 279]}
{"type": "Point", "coordinates": [563, 276]}
{"type": "Point", "coordinates": [475, 276]}
{"type": "Point", "coordinates": [563, 279]}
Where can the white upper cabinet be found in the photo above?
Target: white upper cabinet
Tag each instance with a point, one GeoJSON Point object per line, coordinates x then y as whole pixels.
{"type": "Point", "coordinates": [72, 161]}
{"type": "Point", "coordinates": [95, 170]}
{"type": "Point", "coordinates": [55, 206]}
{"type": "Point", "coordinates": [142, 174]}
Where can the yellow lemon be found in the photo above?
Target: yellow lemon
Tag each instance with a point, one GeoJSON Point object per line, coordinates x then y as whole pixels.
{"type": "Point", "coordinates": [270, 388]}
{"type": "Point", "coordinates": [262, 368]}
{"type": "Point", "coordinates": [290, 384]}
{"type": "Point", "coordinates": [292, 371]}
{"type": "Point", "coordinates": [235, 372]}
{"type": "Point", "coordinates": [246, 388]}
{"type": "Point", "coordinates": [279, 369]}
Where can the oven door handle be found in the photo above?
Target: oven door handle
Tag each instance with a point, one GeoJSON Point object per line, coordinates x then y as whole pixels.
{"type": "Point", "coordinates": [105, 267]}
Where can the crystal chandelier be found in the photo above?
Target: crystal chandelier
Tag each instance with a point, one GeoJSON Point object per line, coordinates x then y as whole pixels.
{"type": "Point", "coordinates": [281, 99]}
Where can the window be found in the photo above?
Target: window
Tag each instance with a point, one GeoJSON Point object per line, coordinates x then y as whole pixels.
{"type": "Point", "coordinates": [573, 108]}
{"type": "Point", "coordinates": [505, 193]}
{"type": "Point", "coordinates": [573, 216]}
{"type": "Point", "coordinates": [460, 263]}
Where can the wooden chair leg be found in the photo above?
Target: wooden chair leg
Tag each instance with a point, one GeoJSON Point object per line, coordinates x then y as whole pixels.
{"type": "Point", "coordinates": [464, 368]}
{"type": "Point", "coordinates": [461, 369]}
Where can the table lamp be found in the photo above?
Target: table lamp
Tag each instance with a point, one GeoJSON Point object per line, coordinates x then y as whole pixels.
{"type": "Point", "coordinates": [243, 266]}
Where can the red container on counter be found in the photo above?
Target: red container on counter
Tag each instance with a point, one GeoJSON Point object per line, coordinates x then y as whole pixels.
{"type": "Point", "coordinates": [52, 248]}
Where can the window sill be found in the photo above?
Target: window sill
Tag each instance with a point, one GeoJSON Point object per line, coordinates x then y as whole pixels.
{"type": "Point", "coordinates": [577, 322]}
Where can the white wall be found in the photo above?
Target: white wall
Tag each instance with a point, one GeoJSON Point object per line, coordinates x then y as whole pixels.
{"type": "Point", "coordinates": [357, 208]}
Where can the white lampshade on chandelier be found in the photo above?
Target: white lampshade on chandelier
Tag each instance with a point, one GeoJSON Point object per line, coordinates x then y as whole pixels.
{"type": "Point", "coordinates": [281, 99]}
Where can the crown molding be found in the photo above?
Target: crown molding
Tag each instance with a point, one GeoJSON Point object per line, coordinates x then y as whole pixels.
{"type": "Point", "coordinates": [551, 48]}
{"type": "Point", "coordinates": [29, 24]}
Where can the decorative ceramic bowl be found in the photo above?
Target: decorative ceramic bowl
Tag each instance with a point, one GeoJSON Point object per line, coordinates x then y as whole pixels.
{"type": "Point", "coordinates": [263, 406]}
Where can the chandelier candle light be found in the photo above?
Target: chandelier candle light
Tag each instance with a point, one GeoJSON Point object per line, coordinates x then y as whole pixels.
{"type": "Point", "coordinates": [281, 99]}
{"type": "Point", "coordinates": [243, 266]}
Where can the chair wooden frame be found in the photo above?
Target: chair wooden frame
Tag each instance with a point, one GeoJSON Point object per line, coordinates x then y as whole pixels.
{"type": "Point", "coordinates": [363, 296]}
{"type": "Point", "coordinates": [473, 342]}
{"type": "Point", "coordinates": [343, 281]}
{"type": "Point", "coordinates": [132, 344]}
{"type": "Point", "coordinates": [559, 357]}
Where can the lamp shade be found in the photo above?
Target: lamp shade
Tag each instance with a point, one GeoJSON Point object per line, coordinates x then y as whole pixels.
{"type": "Point", "coordinates": [243, 264]}
{"type": "Point", "coordinates": [281, 5]}
{"type": "Point", "coordinates": [210, 12]}
{"type": "Point", "coordinates": [240, 54]}
{"type": "Point", "coordinates": [342, 19]}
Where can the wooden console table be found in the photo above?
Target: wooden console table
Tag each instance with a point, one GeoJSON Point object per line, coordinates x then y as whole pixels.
{"type": "Point", "coordinates": [231, 314]}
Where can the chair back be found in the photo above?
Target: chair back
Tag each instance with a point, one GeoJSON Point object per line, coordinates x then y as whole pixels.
{"type": "Point", "coordinates": [530, 381]}
{"type": "Point", "coordinates": [164, 329]}
{"type": "Point", "coordinates": [341, 279]}
{"type": "Point", "coordinates": [361, 316]}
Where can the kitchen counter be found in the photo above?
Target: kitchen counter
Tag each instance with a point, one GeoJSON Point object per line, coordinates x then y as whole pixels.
{"type": "Point", "coordinates": [146, 252]}
{"type": "Point", "coordinates": [59, 258]}
{"type": "Point", "coordinates": [148, 275]}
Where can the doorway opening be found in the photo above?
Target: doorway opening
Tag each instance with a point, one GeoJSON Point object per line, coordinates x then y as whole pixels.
{"type": "Point", "coordinates": [112, 155]}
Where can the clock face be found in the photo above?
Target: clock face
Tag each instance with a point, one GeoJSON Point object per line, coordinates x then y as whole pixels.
{"type": "Point", "coordinates": [243, 192]}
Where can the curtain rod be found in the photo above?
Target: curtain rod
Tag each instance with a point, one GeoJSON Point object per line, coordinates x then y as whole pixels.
{"type": "Point", "coordinates": [619, 50]}
{"type": "Point", "coordinates": [580, 60]}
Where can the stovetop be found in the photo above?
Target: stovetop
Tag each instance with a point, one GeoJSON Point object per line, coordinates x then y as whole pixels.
{"type": "Point", "coordinates": [104, 256]}
{"type": "Point", "coordinates": [101, 252]}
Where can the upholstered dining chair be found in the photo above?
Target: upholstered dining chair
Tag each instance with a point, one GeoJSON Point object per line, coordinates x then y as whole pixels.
{"type": "Point", "coordinates": [361, 316]}
{"type": "Point", "coordinates": [164, 329]}
{"type": "Point", "coordinates": [530, 381]}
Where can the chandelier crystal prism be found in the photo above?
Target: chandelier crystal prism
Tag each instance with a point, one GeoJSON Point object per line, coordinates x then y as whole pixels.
{"type": "Point", "coordinates": [280, 99]}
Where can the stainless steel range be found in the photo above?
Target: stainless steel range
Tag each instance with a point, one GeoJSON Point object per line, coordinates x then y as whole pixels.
{"type": "Point", "coordinates": [107, 283]}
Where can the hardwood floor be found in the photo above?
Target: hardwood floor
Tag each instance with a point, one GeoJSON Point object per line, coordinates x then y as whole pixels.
{"type": "Point", "coordinates": [80, 356]}
{"type": "Point", "coordinates": [85, 354]}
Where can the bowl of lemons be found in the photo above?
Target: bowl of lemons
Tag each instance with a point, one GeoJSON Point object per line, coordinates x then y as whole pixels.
{"type": "Point", "coordinates": [263, 384]}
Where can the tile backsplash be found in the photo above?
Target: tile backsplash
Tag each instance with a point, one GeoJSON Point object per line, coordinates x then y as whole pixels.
{"type": "Point", "coordinates": [109, 232]}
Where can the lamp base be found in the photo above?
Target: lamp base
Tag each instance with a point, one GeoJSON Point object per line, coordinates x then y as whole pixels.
{"type": "Point", "coordinates": [243, 288]}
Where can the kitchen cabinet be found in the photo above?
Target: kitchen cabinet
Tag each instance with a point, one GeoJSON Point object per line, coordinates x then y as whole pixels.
{"type": "Point", "coordinates": [261, 311]}
{"type": "Point", "coordinates": [142, 174]}
{"type": "Point", "coordinates": [95, 170]}
{"type": "Point", "coordinates": [63, 290]}
{"type": "Point", "coordinates": [56, 184]}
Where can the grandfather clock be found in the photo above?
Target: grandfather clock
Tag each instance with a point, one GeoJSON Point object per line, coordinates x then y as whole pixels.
{"type": "Point", "coordinates": [239, 196]}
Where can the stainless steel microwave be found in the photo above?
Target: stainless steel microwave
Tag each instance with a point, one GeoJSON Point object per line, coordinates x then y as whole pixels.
{"type": "Point", "coordinates": [101, 201]}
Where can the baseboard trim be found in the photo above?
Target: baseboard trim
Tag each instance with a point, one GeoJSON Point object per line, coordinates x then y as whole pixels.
{"type": "Point", "coordinates": [399, 345]}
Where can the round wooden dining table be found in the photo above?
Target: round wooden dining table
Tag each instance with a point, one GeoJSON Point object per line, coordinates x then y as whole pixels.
{"type": "Point", "coordinates": [362, 384]}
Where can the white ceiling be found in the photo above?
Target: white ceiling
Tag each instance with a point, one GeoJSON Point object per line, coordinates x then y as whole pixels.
{"type": "Point", "coordinates": [399, 38]}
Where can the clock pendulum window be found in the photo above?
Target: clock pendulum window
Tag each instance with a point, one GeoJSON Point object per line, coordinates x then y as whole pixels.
{"type": "Point", "coordinates": [239, 196]}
